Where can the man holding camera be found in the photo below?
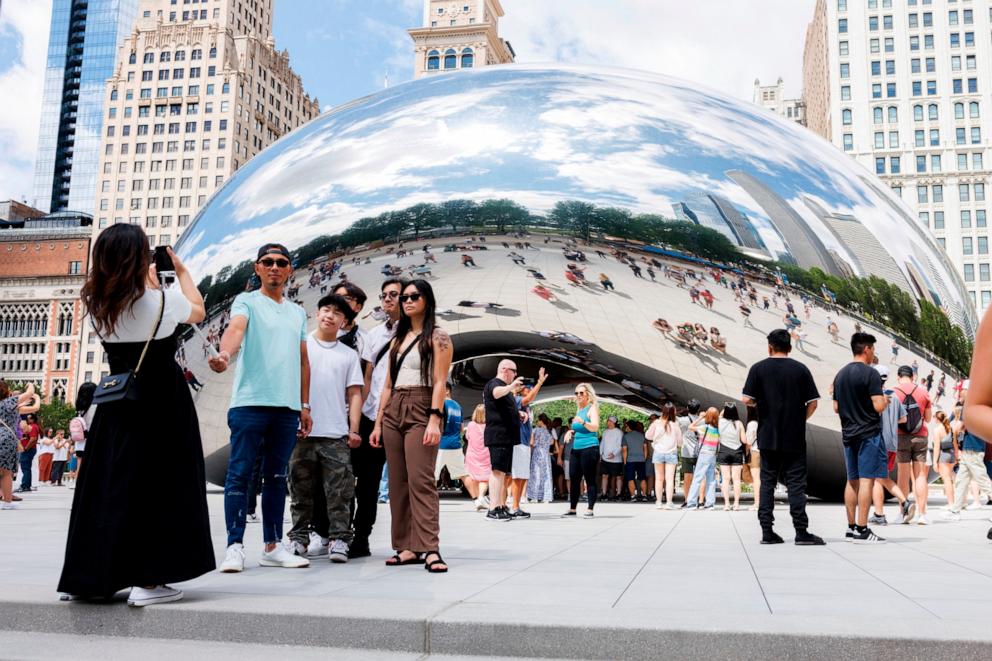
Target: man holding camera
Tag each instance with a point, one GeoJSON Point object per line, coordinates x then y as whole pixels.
{"type": "Point", "coordinates": [502, 433]}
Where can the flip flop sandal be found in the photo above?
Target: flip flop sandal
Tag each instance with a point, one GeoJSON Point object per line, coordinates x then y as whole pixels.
{"type": "Point", "coordinates": [429, 566]}
{"type": "Point", "coordinates": [417, 559]}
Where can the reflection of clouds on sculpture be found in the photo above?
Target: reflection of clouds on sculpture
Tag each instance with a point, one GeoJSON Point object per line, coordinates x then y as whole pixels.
{"type": "Point", "coordinates": [537, 136]}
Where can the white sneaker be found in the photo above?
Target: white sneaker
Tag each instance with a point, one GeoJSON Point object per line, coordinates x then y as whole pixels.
{"type": "Point", "coordinates": [234, 560]}
{"type": "Point", "coordinates": [251, 518]}
{"type": "Point", "coordinates": [162, 594]}
{"type": "Point", "coordinates": [9, 506]}
{"type": "Point", "coordinates": [951, 515]}
{"type": "Point", "coordinates": [338, 551]}
{"type": "Point", "coordinates": [479, 505]}
{"type": "Point", "coordinates": [297, 548]}
{"type": "Point", "coordinates": [659, 506]}
{"type": "Point", "coordinates": [318, 546]}
{"type": "Point", "coordinates": [280, 557]}
{"type": "Point", "coordinates": [671, 506]}
{"type": "Point", "coordinates": [485, 502]}
{"type": "Point", "coordinates": [922, 520]}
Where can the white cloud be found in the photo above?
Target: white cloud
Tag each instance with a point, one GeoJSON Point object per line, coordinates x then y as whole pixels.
{"type": "Point", "coordinates": [724, 44]}
{"type": "Point", "coordinates": [21, 83]}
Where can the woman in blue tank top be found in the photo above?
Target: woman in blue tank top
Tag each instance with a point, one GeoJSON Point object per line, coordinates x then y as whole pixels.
{"type": "Point", "coordinates": [584, 461]}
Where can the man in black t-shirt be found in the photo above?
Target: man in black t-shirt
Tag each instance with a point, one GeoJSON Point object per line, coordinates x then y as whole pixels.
{"type": "Point", "coordinates": [785, 395]}
{"type": "Point", "coordinates": [860, 400]}
{"type": "Point", "coordinates": [502, 433]}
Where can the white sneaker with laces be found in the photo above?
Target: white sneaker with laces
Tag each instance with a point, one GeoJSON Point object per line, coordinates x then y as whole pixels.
{"type": "Point", "coordinates": [162, 594]}
{"type": "Point", "coordinates": [338, 551]}
{"type": "Point", "coordinates": [280, 557]}
{"type": "Point", "coordinates": [297, 548]}
{"type": "Point", "coordinates": [234, 559]}
{"type": "Point", "coordinates": [318, 546]}
{"type": "Point", "coordinates": [922, 520]}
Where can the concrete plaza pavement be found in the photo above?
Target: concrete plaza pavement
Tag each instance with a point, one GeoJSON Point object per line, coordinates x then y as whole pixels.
{"type": "Point", "coordinates": [633, 582]}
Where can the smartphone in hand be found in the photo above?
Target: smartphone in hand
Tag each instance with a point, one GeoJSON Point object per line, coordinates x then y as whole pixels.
{"type": "Point", "coordinates": [163, 266]}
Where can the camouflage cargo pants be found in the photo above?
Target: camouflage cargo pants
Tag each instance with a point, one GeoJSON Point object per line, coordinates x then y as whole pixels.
{"type": "Point", "coordinates": [321, 466]}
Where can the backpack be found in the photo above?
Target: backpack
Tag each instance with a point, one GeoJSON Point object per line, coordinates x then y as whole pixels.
{"type": "Point", "coordinates": [77, 429]}
{"type": "Point", "coordinates": [914, 417]}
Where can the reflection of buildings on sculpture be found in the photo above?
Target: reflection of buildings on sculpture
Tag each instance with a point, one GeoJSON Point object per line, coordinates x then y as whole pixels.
{"type": "Point", "coordinates": [772, 97]}
{"type": "Point", "coordinates": [43, 263]}
{"type": "Point", "coordinates": [463, 34]}
{"type": "Point", "coordinates": [718, 213]}
{"type": "Point", "coordinates": [800, 239]}
{"type": "Point", "coordinates": [196, 92]}
{"type": "Point", "coordinates": [903, 88]}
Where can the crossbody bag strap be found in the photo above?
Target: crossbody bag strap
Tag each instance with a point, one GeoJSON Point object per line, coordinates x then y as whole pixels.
{"type": "Point", "coordinates": [161, 310]}
{"type": "Point", "coordinates": [394, 366]}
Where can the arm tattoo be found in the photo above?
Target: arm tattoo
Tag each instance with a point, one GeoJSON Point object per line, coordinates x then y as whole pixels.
{"type": "Point", "coordinates": [441, 339]}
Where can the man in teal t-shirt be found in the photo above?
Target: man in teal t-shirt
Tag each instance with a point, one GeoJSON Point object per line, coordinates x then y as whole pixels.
{"type": "Point", "coordinates": [269, 402]}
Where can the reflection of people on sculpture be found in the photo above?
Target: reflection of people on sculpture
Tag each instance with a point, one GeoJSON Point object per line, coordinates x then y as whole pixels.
{"type": "Point", "coordinates": [717, 341]}
{"type": "Point", "coordinates": [468, 261]}
{"type": "Point", "coordinates": [536, 274]}
{"type": "Point", "coordinates": [746, 314]}
{"type": "Point", "coordinates": [663, 326]}
{"type": "Point", "coordinates": [517, 259]}
{"type": "Point", "coordinates": [605, 281]}
{"type": "Point", "coordinates": [544, 293]}
{"type": "Point", "coordinates": [388, 270]}
{"type": "Point", "coordinates": [699, 331]}
{"type": "Point", "coordinates": [572, 278]}
{"type": "Point", "coordinates": [490, 307]}
{"type": "Point", "coordinates": [835, 333]}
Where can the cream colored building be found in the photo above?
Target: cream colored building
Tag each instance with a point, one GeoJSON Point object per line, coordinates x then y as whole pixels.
{"type": "Point", "coordinates": [198, 89]}
{"type": "Point", "coordinates": [772, 97]}
{"type": "Point", "coordinates": [460, 34]}
{"type": "Point", "coordinates": [816, 75]}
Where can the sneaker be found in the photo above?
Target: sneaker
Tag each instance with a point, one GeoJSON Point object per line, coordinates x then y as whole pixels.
{"type": "Point", "coordinates": [771, 537]}
{"type": "Point", "coordinates": [499, 514]}
{"type": "Point", "coordinates": [317, 547]}
{"type": "Point", "coordinates": [849, 534]}
{"type": "Point", "coordinates": [338, 551]}
{"type": "Point", "coordinates": [251, 518]}
{"type": "Point", "coordinates": [878, 520]}
{"type": "Point", "coordinates": [709, 507]}
{"type": "Point", "coordinates": [234, 559]}
{"type": "Point", "coordinates": [520, 514]}
{"type": "Point", "coordinates": [485, 502]}
{"type": "Point", "coordinates": [907, 509]}
{"type": "Point", "coordinates": [805, 538]}
{"type": "Point", "coordinates": [162, 594]}
{"type": "Point", "coordinates": [9, 506]}
{"type": "Point", "coordinates": [951, 515]}
{"type": "Point", "coordinates": [280, 557]}
{"type": "Point", "coordinates": [922, 520]}
{"type": "Point", "coordinates": [479, 505]}
{"type": "Point", "coordinates": [671, 506]}
{"type": "Point", "coordinates": [297, 548]}
{"type": "Point", "coordinates": [658, 505]}
{"type": "Point", "coordinates": [568, 514]}
{"type": "Point", "coordinates": [359, 548]}
{"type": "Point", "coordinates": [588, 514]}
{"type": "Point", "coordinates": [867, 537]}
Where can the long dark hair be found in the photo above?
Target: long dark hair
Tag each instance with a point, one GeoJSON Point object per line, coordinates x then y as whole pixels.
{"type": "Point", "coordinates": [117, 277]}
{"type": "Point", "coordinates": [424, 343]}
{"type": "Point", "coordinates": [84, 397]}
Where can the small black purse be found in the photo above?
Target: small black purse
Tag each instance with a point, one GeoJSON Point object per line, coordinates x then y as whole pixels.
{"type": "Point", "coordinates": [115, 387]}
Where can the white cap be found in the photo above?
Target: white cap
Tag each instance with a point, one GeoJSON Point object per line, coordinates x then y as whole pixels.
{"type": "Point", "coordinates": [883, 370]}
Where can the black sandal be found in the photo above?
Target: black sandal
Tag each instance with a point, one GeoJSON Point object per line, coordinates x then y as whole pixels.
{"type": "Point", "coordinates": [430, 566]}
{"type": "Point", "coordinates": [417, 559]}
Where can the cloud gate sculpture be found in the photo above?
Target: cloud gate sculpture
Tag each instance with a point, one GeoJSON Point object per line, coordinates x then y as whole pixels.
{"type": "Point", "coordinates": [506, 165]}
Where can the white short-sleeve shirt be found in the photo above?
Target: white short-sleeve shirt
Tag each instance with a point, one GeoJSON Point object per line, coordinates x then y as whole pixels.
{"type": "Point", "coordinates": [136, 325]}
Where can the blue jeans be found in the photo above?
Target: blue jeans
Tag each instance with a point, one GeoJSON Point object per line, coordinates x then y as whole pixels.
{"type": "Point", "coordinates": [705, 469]}
{"type": "Point", "coordinates": [27, 459]}
{"type": "Point", "coordinates": [384, 483]}
{"type": "Point", "coordinates": [270, 431]}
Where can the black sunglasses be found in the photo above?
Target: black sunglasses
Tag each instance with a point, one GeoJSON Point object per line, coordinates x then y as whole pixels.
{"type": "Point", "coordinates": [409, 297]}
{"type": "Point", "coordinates": [580, 392]}
{"type": "Point", "coordinates": [388, 294]}
{"type": "Point", "coordinates": [269, 263]}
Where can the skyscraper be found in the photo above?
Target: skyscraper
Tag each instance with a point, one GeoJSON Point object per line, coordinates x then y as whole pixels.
{"type": "Point", "coordinates": [82, 46]}
{"type": "Point", "coordinates": [719, 214]}
{"type": "Point", "coordinates": [459, 34]}
{"type": "Point", "coordinates": [902, 86]}
{"type": "Point", "coordinates": [197, 90]}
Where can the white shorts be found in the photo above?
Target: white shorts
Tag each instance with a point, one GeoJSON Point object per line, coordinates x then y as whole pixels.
{"type": "Point", "coordinates": [454, 460]}
{"type": "Point", "coordinates": [521, 462]}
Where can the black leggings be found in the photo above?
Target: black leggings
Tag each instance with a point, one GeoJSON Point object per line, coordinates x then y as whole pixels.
{"type": "Point", "coordinates": [583, 463]}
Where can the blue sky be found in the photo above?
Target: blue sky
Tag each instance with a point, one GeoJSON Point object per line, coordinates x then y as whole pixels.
{"type": "Point", "coordinates": [343, 49]}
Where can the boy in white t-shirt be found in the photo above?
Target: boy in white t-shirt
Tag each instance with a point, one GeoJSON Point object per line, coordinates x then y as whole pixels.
{"type": "Point", "coordinates": [323, 459]}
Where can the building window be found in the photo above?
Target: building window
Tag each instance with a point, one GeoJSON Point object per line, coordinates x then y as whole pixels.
{"type": "Point", "coordinates": [433, 60]}
{"type": "Point", "coordinates": [845, 93]}
{"type": "Point", "coordinates": [921, 194]}
{"type": "Point", "coordinates": [74, 268]}
{"type": "Point", "coordinates": [938, 193]}
{"type": "Point", "coordinates": [918, 113]}
{"type": "Point", "coordinates": [969, 272]}
{"type": "Point", "coordinates": [450, 58]}
{"type": "Point", "coordinates": [842, 25]}
{"type": "Point", "coordinates": [932, 112]}
{"type": "Point", "coordinates": [848, 142]}
{"type": "Point", "coordinates": [965, 219]}
{"type": "Point", "coordinates": [468, 58]}
{"type": "Point", "coordinates": [938, 222]}
{"type": "Point", "coordinates": [880, 165]}
{"type": "Point", "coordinates": [894, 165]}
{"type": "Point", "coordinates": [921, 164]}
{"type": "Point", "coordinates": [844, 48]}
{"type": "Point", "coordinates": [876, 91]}
{"type": "Point", "coordinates": [845, 115]}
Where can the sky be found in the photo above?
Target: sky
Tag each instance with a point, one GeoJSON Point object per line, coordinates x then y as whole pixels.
{"type": "Point", "coordinates": [344, 49]}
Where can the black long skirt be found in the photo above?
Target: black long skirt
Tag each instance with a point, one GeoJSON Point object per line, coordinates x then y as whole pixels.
{"type": "Point", "coordinates": [139, 511]}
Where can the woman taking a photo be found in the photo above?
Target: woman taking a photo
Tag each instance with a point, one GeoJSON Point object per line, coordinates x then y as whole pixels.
{"type": "Point", "coordinates": [708, 430]}
{"type": "Point", "coordinates": [945, 448]}
{"type": "Point", "coordinates": [12, 405]}
{"type": "Point", "coordinates": [119, 503]}
{"type": "Point", "coordinates": [584, 459]}
{"type": "Point", "coordinates": [409, 427]}
{"type": "Point", "coordinates": [730, 456]}
{"type": "Point", "coordinates": [664, 434]}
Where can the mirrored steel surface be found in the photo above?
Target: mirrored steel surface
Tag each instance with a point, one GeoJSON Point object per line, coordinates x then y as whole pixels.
{"type": "Point", "coordinates": [537, 136]}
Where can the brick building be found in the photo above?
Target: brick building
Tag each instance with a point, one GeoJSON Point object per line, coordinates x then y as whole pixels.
{"type": "Point", "coordinates": [43, 264]}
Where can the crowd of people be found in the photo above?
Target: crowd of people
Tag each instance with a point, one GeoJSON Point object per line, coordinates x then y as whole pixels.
{"type": "Point", "coordinates": [323, 417]}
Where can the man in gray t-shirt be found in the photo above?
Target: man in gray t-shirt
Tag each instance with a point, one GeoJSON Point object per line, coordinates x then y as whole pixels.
{"type": "Point", "coordinates": [632, 447]}
{"type": "Point", "coordinates": [891, 417]}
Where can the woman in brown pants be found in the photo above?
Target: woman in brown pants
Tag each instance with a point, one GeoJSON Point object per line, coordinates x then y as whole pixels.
{"type": "Point", "coordinates": [409, 426]}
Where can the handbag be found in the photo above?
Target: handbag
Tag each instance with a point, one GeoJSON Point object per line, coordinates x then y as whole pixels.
{"type": "Point", "coordinates": [115, 387]}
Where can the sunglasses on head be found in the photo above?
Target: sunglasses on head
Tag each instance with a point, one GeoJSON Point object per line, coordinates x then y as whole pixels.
{"type": "Point", "coordinates": [268, 262]}
{"type": "Point", "coordinates": [388, 294]}
{"type": "Point", "coordinates": [409, 297]}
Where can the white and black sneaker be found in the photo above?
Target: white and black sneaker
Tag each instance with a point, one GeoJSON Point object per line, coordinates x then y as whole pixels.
{"type": "Point", "coordinates": [520, 514]}
{"type": "Point", "coordinates": [499, 514]}
{"type": "Point", "coordinates": [867, 537]}
{"type": "Point", "coordinates": [849, 534]}
{"type": "Point", "coordinates": [338, 551]}
{"type": "Point", "coordinates": [318, 546]}
{"type": "Point", "coordinates": [878, 520]}
{"type": "Point", "coordinates": [907, 509]}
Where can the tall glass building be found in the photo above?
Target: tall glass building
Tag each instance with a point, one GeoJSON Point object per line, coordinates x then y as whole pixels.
{"type": "Point", "coordinates": [82, 49]}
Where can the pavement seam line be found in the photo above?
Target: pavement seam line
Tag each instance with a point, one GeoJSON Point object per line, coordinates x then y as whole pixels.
{"type": "Point", "coordinates": [896, 590]}
{"type": "Point", "coordinates": [645, 564]}
{"type": "Point", "coordinates": [751, 565]}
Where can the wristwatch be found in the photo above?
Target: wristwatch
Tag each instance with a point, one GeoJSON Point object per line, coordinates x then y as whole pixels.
{"type": "Point", "coordinates": [305, 406]}
{"type": "Point", "coordinates": [436, 412]}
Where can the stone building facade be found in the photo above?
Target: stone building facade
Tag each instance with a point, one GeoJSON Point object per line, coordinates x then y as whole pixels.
{"type": "Point", "coordinates": [459, 34]}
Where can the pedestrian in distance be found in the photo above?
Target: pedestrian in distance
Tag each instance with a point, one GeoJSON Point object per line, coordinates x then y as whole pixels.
{"type": "Point", "coordinates": [449, 454]}
{"type": "Point", "coordinates": [269, 403]}
{"type": "Point", "coordinates": [859, 400]}
{"type": "Point", "coordinates": [408, 426]}
{"type": "Point", "coordinates": [520, 471]}
{"type": "Point", "coordinates": [477, 462]}
{"type": "Point", "coordinates": [502, 433]}
{"type": "Point", "coordinates": [12, 404]}
{"type": "Point", "coordinates": [706, 427]}
{"type": "Point", "coordinates": [118, 501]}
{"type": "Point", "coordinates": [665, 435]}
{"type": "Point", "coordinates": [914, 440]}
{"type": "Point", "coordinates": [785, 395]}
{"type": "Point", "coordinates": [585, 449]}
{"type": "Point", "coordinates": [893, 415]}
{"type": "Point", "coordinates": [971, 465]}
{"type": "Point", "coordinates": [689, 446]}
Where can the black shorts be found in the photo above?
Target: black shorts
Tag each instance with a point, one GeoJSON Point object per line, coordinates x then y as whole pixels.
{"type": "Point", "coordinates": [611, 468]}
{"type": "Point", "coordinates": [80, 453]}
{"type": "Point", "coordinates": [634, 471]}
{"type": "Point", "coordinates": [728, 457]}
{"type": "Point", "coordinates": [688, 465]}
{"type": "Point", "coordinates": [501, 458]}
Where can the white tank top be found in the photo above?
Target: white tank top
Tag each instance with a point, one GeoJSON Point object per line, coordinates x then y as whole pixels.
{"type": "Point", "coordinates": [730, 436]}
{"type": "Point", "coordinates": [409, 372]}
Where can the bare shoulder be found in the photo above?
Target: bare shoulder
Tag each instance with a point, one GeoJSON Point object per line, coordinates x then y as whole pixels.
{"type": "Point", "coordinates": [441, 339]}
